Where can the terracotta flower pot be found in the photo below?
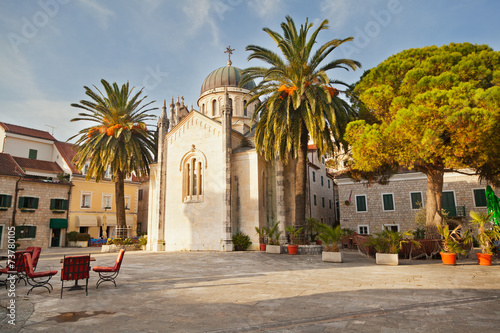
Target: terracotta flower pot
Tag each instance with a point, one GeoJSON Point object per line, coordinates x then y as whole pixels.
{"type": "Point", "coordinates": [293, 249]}
{"type": "Point", "coordinates": [484, 259]}
{"type": "Point", "coordinates": [263, 247]}
{"type": "Point", "coordinates": [449, 258]}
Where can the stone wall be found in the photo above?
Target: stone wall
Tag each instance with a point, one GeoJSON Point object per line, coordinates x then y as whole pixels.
{"type": "Point", "coordinates": [400, 186]}
{"type": "Point", "coordinates": [41, 216]}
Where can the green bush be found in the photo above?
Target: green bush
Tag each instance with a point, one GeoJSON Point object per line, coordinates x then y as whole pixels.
{"type": "Point", "coordinates": [72, 236]}
{"type": "Point", "coordinates": [118, 241]}
{"type": "Point", "coordinates": [128, 241]}
{"type": "Point", "coordinates": [241, 241]}
{"type": "Point", "coordinates": [143, 240]}
{"type": "Point", "coordinates": [82, 237]}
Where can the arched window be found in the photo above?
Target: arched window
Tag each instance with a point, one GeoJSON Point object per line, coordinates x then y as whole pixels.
{"type": "Point", "coordinates": [231, 103]}
{"type": "Point", "coordinates": [203, 108]}
{"type": "Point", "coordinates": [245, 113]}
{"type": "Point", "coordinates": [214, 107]}
{"type": "Point", "coordinates": [192, 165]}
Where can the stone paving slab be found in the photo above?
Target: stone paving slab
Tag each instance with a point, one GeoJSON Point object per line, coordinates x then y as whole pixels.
{"type": "Point", "coordinates": [259, 292]}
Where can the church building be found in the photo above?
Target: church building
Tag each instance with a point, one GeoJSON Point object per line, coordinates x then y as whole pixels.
{"type": "Point", "coordinates": [209, 182]}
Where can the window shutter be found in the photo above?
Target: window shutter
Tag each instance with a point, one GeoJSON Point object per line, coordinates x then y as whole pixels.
{"type": "Point", "coordinates": [8, 200]}
{"type": "Point", "coordinates": [35, 203]}
{"type": "Point", "coordinates": [21, 202]}
{"type": "Point", "coordinates": [65, 205]}
{"type": "Point", "coordinates": [31, 231]}
{"type": "Point", "coordinates": [18, 232]}
{"type": "Point", "coordinates": [480, 198]}
{"type": "Point", "coordinates": [388, 202]}
{"type": "Point", "coordinates": [52, 204]}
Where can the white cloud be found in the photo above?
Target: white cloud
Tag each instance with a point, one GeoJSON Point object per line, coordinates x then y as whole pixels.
{"type": "Point", "coordinates": [266, 8]}
{"type": "Point", "coordinates": [101, 14]}
{"type": "Point", "coordinates": [202, 13]}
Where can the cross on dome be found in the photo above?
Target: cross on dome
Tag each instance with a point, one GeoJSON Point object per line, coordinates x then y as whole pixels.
{"type": "Point", "coordinates": [229, 51]}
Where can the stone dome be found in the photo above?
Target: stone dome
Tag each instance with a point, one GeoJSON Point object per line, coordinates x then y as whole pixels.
{"type": "Point", "coordinates": [225, 76]}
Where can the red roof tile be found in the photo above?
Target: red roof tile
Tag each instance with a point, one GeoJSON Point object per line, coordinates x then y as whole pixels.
{"type": "Point", "coordinates": [9, 167]}
{"type": "Point", "coordinates": [38, 165]}
{"type": "Point", "coordinates": [9, 128]}
{"type": "Point", "coordinates": [67, 152]}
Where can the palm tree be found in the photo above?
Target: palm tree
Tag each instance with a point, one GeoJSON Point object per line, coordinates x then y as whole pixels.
{"type": "Point", "coordinates": [299, 100]}
{"type": "Point", "coordinates": [119, 138]}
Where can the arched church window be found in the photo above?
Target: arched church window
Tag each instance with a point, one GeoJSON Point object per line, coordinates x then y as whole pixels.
{"type": "Point", "coordinates": [203, 108]}
{"type": "Point", "coordinates": [192, 166]}
{"type": "Point", "coordinates": [214, 107]}
{"type": "Point", "coordinates": [245, 113]}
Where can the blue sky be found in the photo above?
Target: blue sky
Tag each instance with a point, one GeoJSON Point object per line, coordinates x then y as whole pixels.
{"type": "Point", "coordinates": [50, 49]}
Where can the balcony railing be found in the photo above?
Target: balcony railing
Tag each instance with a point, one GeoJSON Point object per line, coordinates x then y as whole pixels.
{"type": "Point", "coordinates": [457, 211]}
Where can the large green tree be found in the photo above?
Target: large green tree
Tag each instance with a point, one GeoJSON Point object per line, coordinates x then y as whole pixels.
{"type": "Point", "coordinates": [298, 99]}
{"type": "Point", "coordinates": [432, 109]}
{"type": "Point", "coordinates": [118, 138]}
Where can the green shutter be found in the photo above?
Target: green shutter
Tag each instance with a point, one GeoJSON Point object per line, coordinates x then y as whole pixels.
{"type": "Point", "coordinates": [65, 205]}
{"type": "Point", "coordinates": [388, 202]}
{"type": "Point", "coordinates": [21, 203]}
{"type": "Point", "coordinates": [361, 203]}
{"type": "Point", "coordinates": [31, 232]}
{"type": "Point", "coordinates": [52, 204]}
{"type": "Point", "coordinates": [448, 203]}
{"type": "Point", "coordinates": [8, 200]}
{"type": "Point", "coordinates": [35, 203]}
{"type": "Point", "coordinates": [480, 197]}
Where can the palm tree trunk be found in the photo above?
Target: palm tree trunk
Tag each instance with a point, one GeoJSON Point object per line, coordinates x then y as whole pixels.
{"type": "Point", "coordinates": [301, 178]}
{"type": "Point", "coordinates": [120, 204]}
{"type": "Point", "coordinates": [434, 202]}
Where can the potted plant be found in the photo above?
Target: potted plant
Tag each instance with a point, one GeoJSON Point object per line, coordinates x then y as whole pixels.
{"type": "Point", "coordinates": [387, 245]}
{"type": "Point", "coordinates": [262, 233]}
{"type": "Point", "coordinates": [293, 232]}
{"type": "Point", "coordinates": [487, 234]}
{"type": "Point", "coordinates": [453, 243]}
{"type": "Point", "coordinates": [143, 241]}
{"type": "Point", "coordinates": [273, 237]}
{"type": "Point", "coordinates": [241, 241]}
{"type": "Point", "coordinates": [330, 238]}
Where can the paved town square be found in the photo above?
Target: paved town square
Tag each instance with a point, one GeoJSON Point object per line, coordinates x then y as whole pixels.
{"type": "Point", "coordinates": [258, 292]}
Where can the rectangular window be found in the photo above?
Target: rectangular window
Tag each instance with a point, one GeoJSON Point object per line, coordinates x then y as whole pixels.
{"type": "Point", "coordinates": [84, 230]}
{"type": "Point", "coordinates": [323, 201]}
{"type": "Point", "coordinates": [328, 183]}
{"type": "Point", "coordinates": [106, 201]}
{"type": "Point", "coordinates": [32, 154]}
{"type": "Point", "coordinates": [480, 197]}
{"type": "Point", "coordinates": [58, 204]}
{"type": "Point", "coordinates": [315, 200]}
{"type": "Point", "coordinates": [5, 201]}
{"type": "Point", "coordinates": [330, 202]}
{"type": "Point", "coordinates": [363, 230]}
{"type": "Point", "coordinates": [25, 231]}
{"type": "Point", "coordinates": [416, 200]}
{"type": "Point", "coordinates": [388, 201]}
{"type": "Point", "coordinates": [28, 203]}
{"type": "Point", "coordinates": [321, 180]}
{"type": "Point", "coordinates": [391, 227]}
{"type": "Point", "coordinates": [337, 210]}
{"type": "Point", "coordinates": [314, 176]}
{"type": "Point", "coordinates": [86, 200]}
{"type": "Point", "coordinates": [361, 203]}
{"type": "Point", "coordinates": [140, 194]}
{"type": "Point", "coordinates": [127, 202]}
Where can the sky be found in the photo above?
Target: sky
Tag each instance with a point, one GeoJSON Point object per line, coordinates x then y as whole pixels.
{"type": "Point", "coordinates": [51, 49]}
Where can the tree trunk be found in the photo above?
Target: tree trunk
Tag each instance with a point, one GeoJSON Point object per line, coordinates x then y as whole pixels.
{"type": "Point", "coordinates": [120, 205]}
{"type": "Point", "coordinates": [301, 178]}
{"type": "Point", "coordinates": [434, 202]}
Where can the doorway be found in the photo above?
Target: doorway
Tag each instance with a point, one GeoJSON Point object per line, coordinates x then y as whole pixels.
{"type": "Point", "coordinates": [56, 238]}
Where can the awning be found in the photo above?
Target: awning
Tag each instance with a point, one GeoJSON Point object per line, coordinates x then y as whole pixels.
{"type": "Point", "coordinates": [58, 223]}
{"type": "Point", "coordinates": [86, 221]}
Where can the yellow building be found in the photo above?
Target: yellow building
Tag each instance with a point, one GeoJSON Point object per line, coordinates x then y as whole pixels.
{"type": "Point", "coordinates": [92, 205]}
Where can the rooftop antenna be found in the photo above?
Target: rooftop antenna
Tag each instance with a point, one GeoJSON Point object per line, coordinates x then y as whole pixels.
{"type": "Point", "coordinates": [52, 127]}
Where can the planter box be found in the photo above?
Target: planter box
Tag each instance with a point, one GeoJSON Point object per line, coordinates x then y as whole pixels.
{"type": "Point", "coordinates": [117, 248]}
{"type": "Point", "coordinates": [387, 259]}
{"type": "Point", "coordinates": [274, 249]}
{"type": "Point", "coordinates": [78, 243]}
{"type": "Point", "coordinates": [331, 256]}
